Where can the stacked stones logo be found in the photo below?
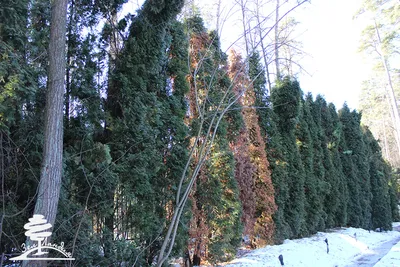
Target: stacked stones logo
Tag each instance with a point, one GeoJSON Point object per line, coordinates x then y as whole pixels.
{"type": "Point", "coordinates": [37, 227]}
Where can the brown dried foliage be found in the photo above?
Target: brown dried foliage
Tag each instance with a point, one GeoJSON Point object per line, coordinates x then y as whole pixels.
{"type": "Point", "coordinates": [244, 170]}
{"type": "Point", "coordinates": [198, 231]}
{"type": "Point", "coordinates": [263, 190]}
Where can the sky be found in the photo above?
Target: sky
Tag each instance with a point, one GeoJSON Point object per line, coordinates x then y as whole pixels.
{"type": "Point", "coordinates": [330, 37]}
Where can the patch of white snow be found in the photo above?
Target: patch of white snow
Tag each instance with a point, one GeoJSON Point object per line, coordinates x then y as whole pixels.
{"type": "Point", "coordinates": [347, 247]}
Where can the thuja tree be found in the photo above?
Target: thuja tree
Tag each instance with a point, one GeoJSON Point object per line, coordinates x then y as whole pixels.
{"type": "Point", "coordinates": [215, 227]}
{"type": "Point", "coordinates": [88, 168]}
{"type": "Point", "coordinates": [285, 98]}
{"type": "Point", "coordinates": [87, 174]}
{"type": "Point", "coordinates": [23, 43]}
{"type": "Point", "coordinates": [354, 206]}
{"type": "Point", "coordinates": [177, 153]}
{"type": "Point", "coordinates": [379, 176]}
{"type": "Point", "coordinates": [336, 199]}
{"type": "Point", "coordinates": [308, 141]}
{"type": "Point", "coordinates": [244, 170]}
{"type": "Point", "coordinates": [324, 165]}
{"type": "Point", "coordinates": [263, 193]}
{"type": "Point", "coordinates": [279, 175]}
{"type": "Point", "coordinates": [275, 152]}
{"type": "Point", "coordinates": [145, 129]}
{"type": "Point", "coordinates": [353, 156]}
{"type": "Point", "coordinates": [261, 95]}
{"type": "Point", "coordinates": [360, 153]}
{"type": "Point", "coordinates": [394, 195]}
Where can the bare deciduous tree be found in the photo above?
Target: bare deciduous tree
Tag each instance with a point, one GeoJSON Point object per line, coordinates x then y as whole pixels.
{"type": "Point", "coordinates": [279, 48]}
{"type": "Point", "coordinates": [380, 39]}
{"type": "Point", "coordinates": [276, 43]}
{"type": "Point", "coordinates": [203, 142]}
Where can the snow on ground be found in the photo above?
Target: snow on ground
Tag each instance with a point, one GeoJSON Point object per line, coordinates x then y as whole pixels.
{"type": "Point", "coordinates": [392, 258]}
{"type": "Point", "coordinates": [347, 247]}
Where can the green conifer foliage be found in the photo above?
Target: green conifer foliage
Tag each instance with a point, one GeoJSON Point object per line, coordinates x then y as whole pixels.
{"type": "Point", "coordinates": [394, 195]}
{"type": "Point", "coordinates": [327, 177]}
{"type": "Point", "coordinates": [275, 151]}
{"type": "Point", "coordinates": [356, 169]}
{"type": "Point", "coordinates": [145, 127]}
{"type": "Point", "coordinates": [379, 176]}
{"type": "Point", "coordinates": [176, 107]}
{"type": "Point", "coordinates": [308, 142]}
{"type": "Point", "coordinates": [335, 204]}
{"type": "Point", "coordinates": [89, 175]}
{"type": "Point", "coordinates": [262, 101]}
{"type": "Point", "coordinates": [279, 175]}
{"type": "Point", "coordinates": [13, 73]}
{"type": "Point", "coordinates": [360, 150]}
{"type": "Point", "coordinates": [285, 99]}
{"type": "Point", "coordinates": [24, 30]}
{"type": "Point", "coordinates": [217, 204]}
{"type": "Point", "coordinates": [215, 228]}
{"type": "Point", "coordinates": [349, 169]}
{"type": "Point", "coordinates": [22, 68]}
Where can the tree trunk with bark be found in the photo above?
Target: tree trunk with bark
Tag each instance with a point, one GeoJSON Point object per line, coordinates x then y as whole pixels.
{"type": "Point", "coordinates": [51, 170]}
{"type": "Point", "coordinates": [393, 100]}
{"type": "Point", "coordinates": [263, 48]}
{"type": "Point", "coordinates": [278, 72]}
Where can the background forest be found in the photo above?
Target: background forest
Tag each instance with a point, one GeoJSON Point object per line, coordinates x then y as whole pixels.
{"type": "Point", "coordinates": [171, 147]}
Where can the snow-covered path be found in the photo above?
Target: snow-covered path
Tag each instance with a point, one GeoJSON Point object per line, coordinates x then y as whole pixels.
{"type": "Point", "coordinates": [392, 259]}
{"type": "Point", "coordinates": [373, 256]}
{"type": "Point", "coordinates": [348, 247]}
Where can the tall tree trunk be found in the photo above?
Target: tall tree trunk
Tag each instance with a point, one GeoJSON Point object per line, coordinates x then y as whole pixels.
{"type": "Point", "coordinates": [392, 117]}
{"type": "Point", "coordinates": [114, 39]}
{"type": "Point", "coordinates": [109, 218]}
{"type": "Point", "coordinates": [50, 177]}
{"type": "Point", "coordinates": [51, 170]}
{"type": "Point", "coordinates": [68, 67]}
{"type": "Point", "coordinates": [278, 72]}
{"type": "Point", "coordinates": [263, 47]}
{"type": "Point", "coordinates": [393, 101]}
{"type": "Point", "coordinates": [243, 13]}
{"type": "Point", "coordinates": [218, 17]}
{"type": "Point", "coordinates": [386, 146]}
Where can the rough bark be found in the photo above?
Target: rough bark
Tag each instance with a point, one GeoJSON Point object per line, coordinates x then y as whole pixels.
{"type": "Point", "coordinates": [263, 48]}
{"type": "Point", "coordinates": [244, 22]}
{"type": "Point", "coordinates": [393, 100]}
{"type": "Point", "coordinates": [278, 73]}
{"type": "Point", "coordinates": [51, 170]}
{"type": "Point", "coordinates": [50, 177]}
